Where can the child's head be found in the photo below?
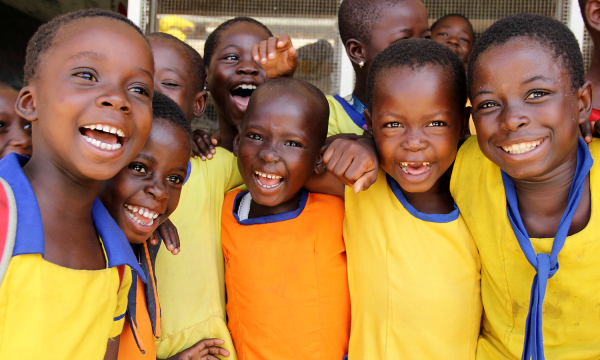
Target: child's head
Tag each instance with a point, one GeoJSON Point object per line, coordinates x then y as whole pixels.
{"type": "Point", "coordinates": [144, 193]}
{"type": "Point", "coordinates": [232, 72]}
{"type": "Point", "coordinates": [280, 139]}
{"type": "Point", "coordinates": [416, 93]}
{"type": "Point", "coordinates": [180, 73]}
{"type": "Point", "coordinates": [456, 32]}
{"type": "Point", "coordinates": [15, 132]}
{"type": "Point", "coordinates": [369, 26]}
{"type": "Point", "coordinates": [89, 85]}
{"type": "Point", "coordinates": [527, 87]}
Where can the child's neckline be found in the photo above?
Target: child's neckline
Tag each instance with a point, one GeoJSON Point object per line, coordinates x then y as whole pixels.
{"type": "Point", "coordinates": [435, 218]}
{"type": "Point", "coordinates": [270, 218]}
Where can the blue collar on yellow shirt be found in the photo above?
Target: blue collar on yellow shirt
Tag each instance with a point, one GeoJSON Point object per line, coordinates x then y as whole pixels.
{"type": "Point", "coordinates": [355, 110]}
{"type": "Point", "coordinates": [30, 233]}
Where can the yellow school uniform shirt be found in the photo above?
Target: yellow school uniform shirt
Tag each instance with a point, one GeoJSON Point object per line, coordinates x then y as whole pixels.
{"type": "Point", "coordinates": [191, 284]}
{"type": "Point", "coordinates": [52, 312]}
{"type": "Point", "coordinates": [571, 324]}
{"type": "Point", "coordinates": [414, 278]}
{"type": "Point", "coordinates": [339, 120]}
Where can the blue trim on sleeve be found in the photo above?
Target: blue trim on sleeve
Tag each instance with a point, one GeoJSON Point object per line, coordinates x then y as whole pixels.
{"type": "Point", "coordinates": [119, 317]}
{"type": "Point", "coordinates": [189, 171]}
{"type": "Point", "coordinates": [271, 218]}
{"type": "Point", "coordinates": [436, 218]}
{"type": "Point", "coordinates": [357, 118]}
{"type": "Point", "coordinates": [30, 231]}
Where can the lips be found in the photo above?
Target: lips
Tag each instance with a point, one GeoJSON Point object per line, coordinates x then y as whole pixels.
{"type": "Point", "coordinates": [266, 180]}
{"type": "Point", "coordinates": [415, 168]}
{"type": "Point", "coordinates": [103, 136]}
{"type": "Point", "coordinates": [522, 147]}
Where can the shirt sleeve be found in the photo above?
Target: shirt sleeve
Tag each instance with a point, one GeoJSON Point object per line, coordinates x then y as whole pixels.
{"type": "Point", "coordinates": [234, 178]}
{"type": "Point", "coordinates": [121, 308]}
{"type": "Point", "coordinates": [333, 127]}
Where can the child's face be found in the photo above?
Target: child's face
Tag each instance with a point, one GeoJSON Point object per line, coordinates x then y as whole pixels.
{"type": "Point", "coordinates": [232, 67]}
{"type": "Point", "coordinates": [407, 19]}
{"type": "Point", "coordinates": [455, 32]}
{"type": "Point", "coordinates": [97, 75]}
{"type": "Point", "coordinates": [172, 76]}
{"type": "Point", "coordinates": [526, 114]}
{"type": "Point", "coordinates": [151, 183]}
{"type": "Point", "coordinates": [416, 122]}
{"type": "Point", "coordinates": [276, 141]}
{"type": "Point", "coordinates": [15, 132]}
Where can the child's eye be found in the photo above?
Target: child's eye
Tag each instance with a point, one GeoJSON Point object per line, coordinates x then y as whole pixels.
{"type": "Point", "coordinates": [536, 94]}
{"type": "Point", "coordinates": [393, 125]}
{"type": "Point", "coordinates": [169, 84]}
{"type": "Point", "coordinates": [254, 136]}
{"type": "Point", "coordinates": [138, 168]}
{"type": "Point", "coordinates": [436, 123]}
{"type": "Point", "coordinates": [465, 40]}
{"type": "Point", "coordinates": [487, 105]}
{"type": "Point", "coordinates": [293, 144]}
{"type": "Point", "coordinates": [175, 179]}
{"type": "Point", "coordinates": [86, 75]}
{"type": "Point", "coordinates": [2, 124]}
{"type": "Point", "coordinates": [140, 90]}
{"type": "Point", "coordinates": [231, 57]}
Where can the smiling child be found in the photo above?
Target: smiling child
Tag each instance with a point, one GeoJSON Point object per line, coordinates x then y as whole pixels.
{"type": "Point", "coordinates": [413, 267]}
{"type": "Point", "coordinates": [15, 132]}
{"type": "Point", "coordinates": [529, 193]}
{"type": "Point", "coordinates": [65, 290]}
{"type": "Point", "coordinates": [456, 32]}
{"type": "Point", "coordinates": [285, 261]}
{"type": "Point", "coordinates": [366, 28]}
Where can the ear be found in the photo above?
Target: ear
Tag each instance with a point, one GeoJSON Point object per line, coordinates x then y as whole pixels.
{"type": "Point", "coordinates": [319, 165]}
{"type": "Point", "coordinates": [25, 106]}
{"type": "Point", "coordinates": [200, 103]}
{"type": "Point", "coordinates": [356, 51]}
{"type": "Point", "coordinates": [585, 95]}
{"type": "Point", "coordinates": [465, 130]}
{"type": "Point", "coordinates": [368, 121]}
{"type": "Point", "coordinates": [236, 144]}
{"type": "Point", "coordinates": [592, 14]}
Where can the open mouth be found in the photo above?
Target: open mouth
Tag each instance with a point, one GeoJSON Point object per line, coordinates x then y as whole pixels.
{"type": "Point", "coordinates": [241, 95]}
{"type": "Point", "coordinates": [415, 168]}
{"type": "Point", "coordinates": [522, 148]}
{"type": "Point", "coordinates": [104, 137]}
{"type": "Point", "coordinates": [267, 181]}
{"type": "Point", "coordinates": [141, 215]}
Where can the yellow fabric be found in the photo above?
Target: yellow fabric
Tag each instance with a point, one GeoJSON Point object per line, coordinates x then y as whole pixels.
{"type": "Point", "coordinates": [414, 285]}
{"type": "Point", "coordinates": [191, 284]}
{"type": "Point", "coordinates": [570, 315]}
{"type": "Point", "coordinates": [51, 312]}
{"type": "Point", "coordinates": [339, 121]}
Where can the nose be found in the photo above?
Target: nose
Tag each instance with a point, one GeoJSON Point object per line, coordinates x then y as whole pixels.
{"type": "Point", "coordinates": [513, 120]}
{"type": "Point", "coordinates": [414, 141]}
{"type": "Point", "coordinates": [114, 99]}
{"type": "Point", "coordinates": [452, 40]}
{"type": "Point", "coordinates": [21, 140]}
{"type": "Point", "coordinates": [158, 190]}
{"type": "Point", "coordinates": [269, 155]}
{"type": "Point", "coordinates": [248, 67]}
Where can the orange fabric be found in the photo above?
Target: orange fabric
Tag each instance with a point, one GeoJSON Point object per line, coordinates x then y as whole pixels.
{"type": "Point", "coordinates": [128, 349]}
{"type": "Point", "coordinates": [151, 278]}
{"type": "Point", "coordinates": [287, 283]}
{"type": "Point", "coordinates": [594, 116]}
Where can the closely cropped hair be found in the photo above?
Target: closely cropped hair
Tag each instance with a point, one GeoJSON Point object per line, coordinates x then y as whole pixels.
{"type": "Point", "coordinates": [356, 18]}
{"type": "Point", "coordinates": [196, 64]}
{"type": "Point", "coordinates": [415, 54]}
{"type": "Point", "coordinates": [437, 22]}
{"type": "Point", "coordinates": [165, 109]}
{"type": "Point", "coordinates": [214, 38]}
{"type": "Point", "coordinates": [550, 33]}
{"type": "Point", "coordinates": [43, 38]}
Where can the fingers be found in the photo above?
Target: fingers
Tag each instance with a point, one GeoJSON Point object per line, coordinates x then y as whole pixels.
{"type": "Point", "coordinates": [153, 240]}
{"type": "Point", "coordinates": [262, 50]}
{"type": "Point", "coordinates": [168, 232]}
{"type": "Point", "coordinates": [272, 48]}
{"type": "Point", "coordinates": [365, 181]}
{"type": "Point", "coordinates": [203, 145]}
{"type": "Point", "coordinates": [284, 42]}
{"type": "Point", "coordinates": [586, 131]}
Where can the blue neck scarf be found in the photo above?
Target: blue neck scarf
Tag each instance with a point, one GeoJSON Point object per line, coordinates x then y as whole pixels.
{"type": "Point", "coordinates": [355, 110]}
{"type": "Point", "coordinates": [546, 265]}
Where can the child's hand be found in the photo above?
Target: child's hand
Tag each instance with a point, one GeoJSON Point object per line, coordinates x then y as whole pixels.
{"type": "Point", "coordinates": [203, 350]}
{"type": "Point", "coordinates": [353, 162]}
{"type": "Point", "coordinates": [204, 144]}
{"type": "Point", "coordinates": [168, 232]}
{"type": "Point", "coordinates": [277, 56]}
{"type": "Point", "coordinates": [586, 131]}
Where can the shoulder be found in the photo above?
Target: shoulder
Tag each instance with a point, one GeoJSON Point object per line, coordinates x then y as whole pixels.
{"type": "Point", "coordinates": [326, 201]}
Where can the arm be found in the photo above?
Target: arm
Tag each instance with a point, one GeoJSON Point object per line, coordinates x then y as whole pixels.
{"type": "Point", "coordinates": [112, 348]}
{"type": "Point", "coordinates": [168, 232]}
{"type": "Point", "coordinates": [277, 56]}
{"type": "Point", "coordinates": [202, 350]}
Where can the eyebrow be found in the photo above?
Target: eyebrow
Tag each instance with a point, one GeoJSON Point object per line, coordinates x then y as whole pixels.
{"type": "Point", "coordinates": [181, 169]}
{"type": "Point", "coordinates": [147, 157]}
{"type": "Point", "coordinates": [232, 45]}
{"type": "Point", "coordinates": [171, 69]}
{"type": "Point", "coordinates": [539, 77]}
{"type": "Point", "coordinates": [88, 54]}
{"type": "Point", "coordinates": [145, 72]}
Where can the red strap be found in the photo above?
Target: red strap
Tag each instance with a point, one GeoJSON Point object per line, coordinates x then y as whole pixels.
{"type": "Point", "coordinates": [8, 226]}
{"type": "Point", "coordinates": [121, 269]}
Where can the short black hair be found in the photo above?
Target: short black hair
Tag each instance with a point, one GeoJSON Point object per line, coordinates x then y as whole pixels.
{"type": "Point", "coordinates": [437, 22]}
{"type": "Point", "coordinates": [167, 110]}
{"type": "Point", "coordinates": [214, 38]}
{"type": "Point", "coordinates": [198, 70]}
{"type": "Point", "coordinates": [305, 91]}
{"type": "Point", "coordinates": [552, 34]}
{"type": "Point", "coordinates": [356, 18]}
{"type": "Point", "coordinates": [415, 54]}
{"type": "Point", "coordinates": [43, 38]}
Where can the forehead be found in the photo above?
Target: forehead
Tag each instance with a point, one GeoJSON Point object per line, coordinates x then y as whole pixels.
{"type": "Point", "coordinates": [283, 112]}
{"type": "Point", "coordinates": [167, 139]}
{"type": "Point", "coordinates": [405, 14]}
{"type": "Point", "coordinates": [243, 34]}
{"type": "Point", "coordinates": [169, 55]}
{"type": "Point", "coordinates": [8, 97]}
{"type": "Point", "coordinates": [455, 22]}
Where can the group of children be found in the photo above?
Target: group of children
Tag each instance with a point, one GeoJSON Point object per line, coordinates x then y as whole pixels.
{"type": "Point", "coordinates": [366, 226]}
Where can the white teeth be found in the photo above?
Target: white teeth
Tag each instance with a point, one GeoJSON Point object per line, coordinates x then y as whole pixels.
{"type": "Point", "coordinates": [522, 147]}
{"type": "Point", "coordinates": [113, 130]}
{"type": "Point", "coordinates": [148, 214]}
{"type": "Point", "coordinates": [120, 133]}
{"type": "Point", "coordinates": [246, 86]}
{"type": "Point", "coordinates": [141, 212]}
{"type": "Point", "coordinates": [404, 165]}
{"type": "Point", "coordinates": [268, 176]}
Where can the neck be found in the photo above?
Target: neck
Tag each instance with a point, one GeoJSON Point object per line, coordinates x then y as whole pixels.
{"type": "Point", "coordinates": [258, 210]}
{"type": "Point", "coordinates": [360, 87]}
{"type": "Point", "coordinates": [436, 200]}
{"type": "Point", "coordinates": [228, 133]}
{"type": "Point", "coordinates": [593, 75]}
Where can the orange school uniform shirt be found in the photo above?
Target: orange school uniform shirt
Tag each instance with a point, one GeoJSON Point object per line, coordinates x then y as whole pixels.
{"type": "Point", "coordinates": [286, 281]}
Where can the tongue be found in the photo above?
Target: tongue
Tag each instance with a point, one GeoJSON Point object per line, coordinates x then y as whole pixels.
{"type": "Point", "coordinates": [241, 101]}
{"type": "Point", "coordinates": [100, 136]}
{"type": "Point", "coordinates": [416, 168]}
{"type": "Point", "coordinates": [268, 182]}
